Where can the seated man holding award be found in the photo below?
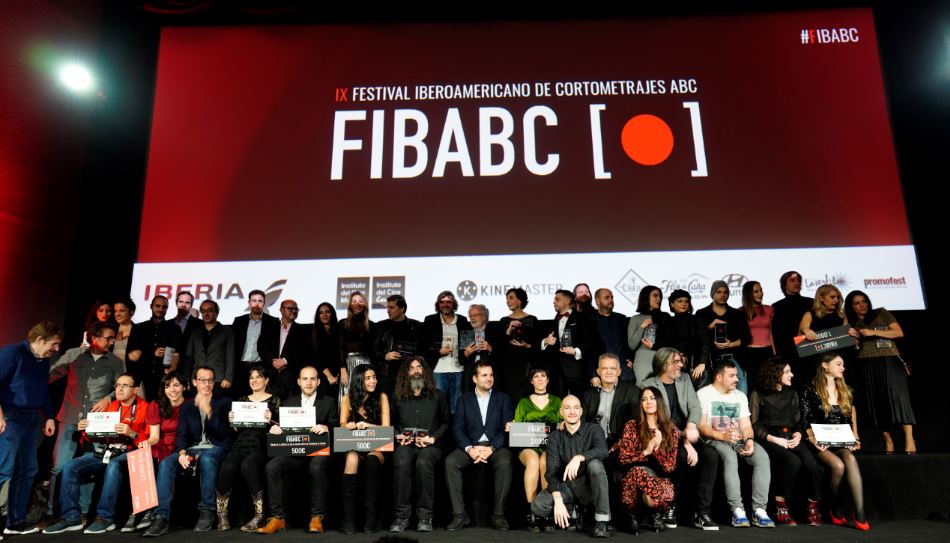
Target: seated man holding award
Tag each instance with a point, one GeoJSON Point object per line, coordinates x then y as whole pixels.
{"type": "Point", "coordinates": [422, 419]}
{"type": "Point", "coordinates": [204, 438]}
{"type": "Point", "coordinates": [307, 411]}
{"type": "Point", "coordinates": [107, 436]}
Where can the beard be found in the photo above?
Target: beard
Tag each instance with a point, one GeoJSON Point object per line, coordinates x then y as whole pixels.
{"type": "Point", "coordinates": [417, 382]}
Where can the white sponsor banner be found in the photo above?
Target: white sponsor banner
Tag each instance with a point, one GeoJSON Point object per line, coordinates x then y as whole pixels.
{"type": "Point", "coordinates": [888, 274]}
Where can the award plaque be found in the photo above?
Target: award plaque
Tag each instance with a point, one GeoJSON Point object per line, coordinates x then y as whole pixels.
{"type": "Point", "coordinates": [377, 438]}
{"type": "Point", "coordinates": [298, 444]}
{"type": "Point", "coordinates": [249, 415]}
{"type": "Point", "coordinates": [831, 339]}
{"type": "Point", "coordinates": [567, 338]}
{"type": "Point", "coordinates": [528, 434]}
{"type": "Point", "coordinates": [102, 424]}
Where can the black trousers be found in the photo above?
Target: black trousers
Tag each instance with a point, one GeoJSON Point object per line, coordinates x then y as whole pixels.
{"type": "Point", "coordinates": [422, 461]}
{"type": "Point", "coordinates": [708, 470]}
{"type": "Point", "coordinates": [499, 461]}
{"type": "Point", "coordinates": [249, 466]}
{"type": "Point", "coordinates": [786, 466]}
{"type": "Point", "coordinates": [279, 467]}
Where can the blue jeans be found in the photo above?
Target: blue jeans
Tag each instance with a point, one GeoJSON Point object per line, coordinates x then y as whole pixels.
{"type": "Point", "coordinates": [450, 384]}
{"type": "Point", "coordinates": [63, 453]}
{"type": "Point", "coordinates": [168, 470]}
{"type": "Point", "coordinates": [86, 469]}
{"type": "Point", "coordinates": [18, 461]}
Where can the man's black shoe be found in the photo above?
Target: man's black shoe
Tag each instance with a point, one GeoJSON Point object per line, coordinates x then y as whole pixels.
{"type": "Point", "coordinates": [205, 520]}
{"type": "Point", "coordinates": [159, 527]}
{"type": "Point", "coordinates": [500, 523]}
{"type": "Point", "coordinates": [458, 522]}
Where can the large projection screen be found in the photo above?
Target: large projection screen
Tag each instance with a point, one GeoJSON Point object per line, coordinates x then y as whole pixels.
{"type": "Point", "coordinates": [310, 161]}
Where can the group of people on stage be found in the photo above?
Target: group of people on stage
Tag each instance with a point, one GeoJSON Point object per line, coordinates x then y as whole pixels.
{"type": "Point", "coordinates": [642, 411]}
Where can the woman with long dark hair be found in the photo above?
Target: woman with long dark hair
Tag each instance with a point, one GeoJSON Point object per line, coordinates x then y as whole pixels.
{"type": "Point", "coordinates": [776, 420]}
{"type": "Point", "coordinates": [356, 339]}
{"type": "Point", "coordinates": [649, 447]}
{"type": "Point", "coordinates": [826, 312]}
{"type": "Point", "coordinates": [517, 354]}
{"type": "Point", "coordinates": [364, 406]}
{"type": "Point", "coordinates": [162, 422]}
{"type": "Point", "coordinates": [326, 348]}
{"type": "Point", "coordinates": [642, 330]}
{"type": "Point", "coordinates": [829, 400]}
{"type": "Point", "coordinates": [248, 455]}
{"type": "Point", "coordinates": [760, 326]}
{"type": "Point", "coordinates": [883, 373]}
{"type": "Point", "coordinates": [539, 406]}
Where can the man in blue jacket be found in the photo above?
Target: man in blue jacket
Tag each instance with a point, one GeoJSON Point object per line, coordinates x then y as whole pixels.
{"type": "Point", "coordinates": [204, 437]}
{"type": "Point", "coordinates": [24, 370]}
{"type": "Point", "coordinates": [479, 429]}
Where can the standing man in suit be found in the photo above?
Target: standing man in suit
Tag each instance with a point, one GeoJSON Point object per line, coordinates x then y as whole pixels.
{"type": "Point", "coordinates": [212, 345]}
{"type": "Point", "coordinates": [187, 324]}
{"type": "Point", "coordinates": [487, 336]}
{"type": "Point", "coordinates": [285, 350]}
{"type": "Point", "coordinates": [613, 402]}
{"type": "Point", "coordinates": [326, 417]}
{"type": "Point", "coordinates": [395, 337]}
{"type": "Point", "coordinates": [157, 334]}
{"type": "Point", "coordinates": [479, 429]}
{"type": "Point", "coordinates": [567, 361]}
{"type": "Point", "coordinates": [248, 330]}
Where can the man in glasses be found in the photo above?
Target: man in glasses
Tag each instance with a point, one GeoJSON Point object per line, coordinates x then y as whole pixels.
{"type": "Point", "coordinates": [89, 385]}
{"type": "Point", "coordinates": [104, 460]}
{"type": "Point", "coordinates": [204, 437]}
{"type": "Point", "coordinates": [212, 345]}
{"type": "Point", "coordinates": [285, 350]}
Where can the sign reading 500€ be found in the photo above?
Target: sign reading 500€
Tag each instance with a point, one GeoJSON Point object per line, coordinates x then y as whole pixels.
{"type": "Point", "coordinates": [377, 438]}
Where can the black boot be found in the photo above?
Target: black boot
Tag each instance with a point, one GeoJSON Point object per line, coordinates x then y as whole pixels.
{"type": "Point", "coordinates": [532, 523]}
{"type": "Point", "coordinates": [634, 525]}
{"type": "Point", "coordinates": [371, 498]}
{"type": "Point", "coordinates": [654, 521]}
{"type": "Point", "coordinates": [350, 489]}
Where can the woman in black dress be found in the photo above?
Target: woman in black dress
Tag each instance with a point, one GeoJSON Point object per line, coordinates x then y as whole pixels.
{"type": "Point", "coordinates": [364, 406]}
{"type": "Point", "coordinates": [248, 455]}
{"type": "Point", "coordinates": [829, 400]}
{"type": "Point", "coordinates": [520, 330]}
{"type": "Point", "coordinates": [326, 348]}
{"type": "Point", "coordinates": [886, 400]}
{"type": "Point", "coordinates": [776, 420]}
{"type": "Point", "coordinates": [685, 333]}
{"type": "Point", "coordinates": [827, 312]}
{"type": "Point", "coordinates": [356, 339]}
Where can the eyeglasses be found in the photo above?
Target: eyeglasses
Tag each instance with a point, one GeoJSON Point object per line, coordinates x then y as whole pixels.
{"type": "Point", "coordinates": [123, 385]}
{"type": "Point", "coordinates": [205, 381]}
{"type": "Point", "coordinates": [107, 338]}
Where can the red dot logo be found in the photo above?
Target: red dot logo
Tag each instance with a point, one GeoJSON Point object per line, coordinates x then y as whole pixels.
{"type": "Point", "coordinates": [647, 139]}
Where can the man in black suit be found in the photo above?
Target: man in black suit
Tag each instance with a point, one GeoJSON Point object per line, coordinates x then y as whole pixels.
{"type": "Point", "coordinates": [612, 403]}
{"type": "Point", "coordinates": [187, 323]}
{"type": "Point", "coordinates": [248, 330]}
{"type": "Point", "coordinates": [277, 469]}
{"type": "Point", "coordinates": [567, 361]}
{"type": "Point", "coordinates": [212, 345]}
{"type": "Point", "coordinates": [286, 350]}
{"type": "Point", "coordinates": [397, 339]}
{"type": "Point", "coordinates": [479, 429]}
{"type": "Point", "coordinates": [483, 340]}
{"type": "Point", "coordinates": [157, 335]}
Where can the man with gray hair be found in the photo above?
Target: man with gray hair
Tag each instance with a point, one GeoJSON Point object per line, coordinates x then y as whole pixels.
{"type": "Point", "coordinates": [480, 343]}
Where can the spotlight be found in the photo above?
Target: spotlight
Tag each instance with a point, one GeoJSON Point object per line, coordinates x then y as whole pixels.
{"type": "Point", "coordinates": [76, 78]}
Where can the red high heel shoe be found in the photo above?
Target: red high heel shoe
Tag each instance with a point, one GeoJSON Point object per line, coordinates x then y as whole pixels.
{"type": "Point", "coordinates": [862, 526]}
{"type": "Point", "coordinates": [837, 521]}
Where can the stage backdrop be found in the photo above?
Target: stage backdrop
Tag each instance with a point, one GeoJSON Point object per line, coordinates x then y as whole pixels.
{"type": "Point", "coordinates": [311, 161]}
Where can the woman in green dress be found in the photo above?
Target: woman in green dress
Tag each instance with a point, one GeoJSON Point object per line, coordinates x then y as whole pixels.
{"type": "Point", "coordinates": [539, 406]}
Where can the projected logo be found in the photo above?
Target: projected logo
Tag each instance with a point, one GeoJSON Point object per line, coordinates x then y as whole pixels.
{"type": "Point", "coordinates": [215, 291]}
{"type": "Point", "coordinates": [813, 36]}
{"type": "Point", "coordinates": [886, 282]}
{"type": "Point", "coordinates": [347, 285]}
{"type": "Point", "coordinates": [735, 281]}
{"type": "Point", "coordinates": [384, 287]}
{"type": "Point", "coordinates": [697, 285]}
{"type": "Point", "coordinates": [629, 286]}
{"type": "Point", "coordinates": [839, 280]}
{"type": "Point", "coordinates": [466, 290]}
{"type": "Point", "coordinates": [646, 139]}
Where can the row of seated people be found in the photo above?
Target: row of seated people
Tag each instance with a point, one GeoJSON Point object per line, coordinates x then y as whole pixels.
{"type": "Point", "coordinates": [648, 437]}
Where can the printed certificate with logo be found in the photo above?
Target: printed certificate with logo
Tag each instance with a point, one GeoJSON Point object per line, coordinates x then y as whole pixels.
{"type": "Point", "coordinates": [302, 418]}
{"type": "Point", "coordinates": [102, 424]}
{"type": "Point", "coordinates": [249, 415]}
{"type": "Point", "coordinates": [834, 435]}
